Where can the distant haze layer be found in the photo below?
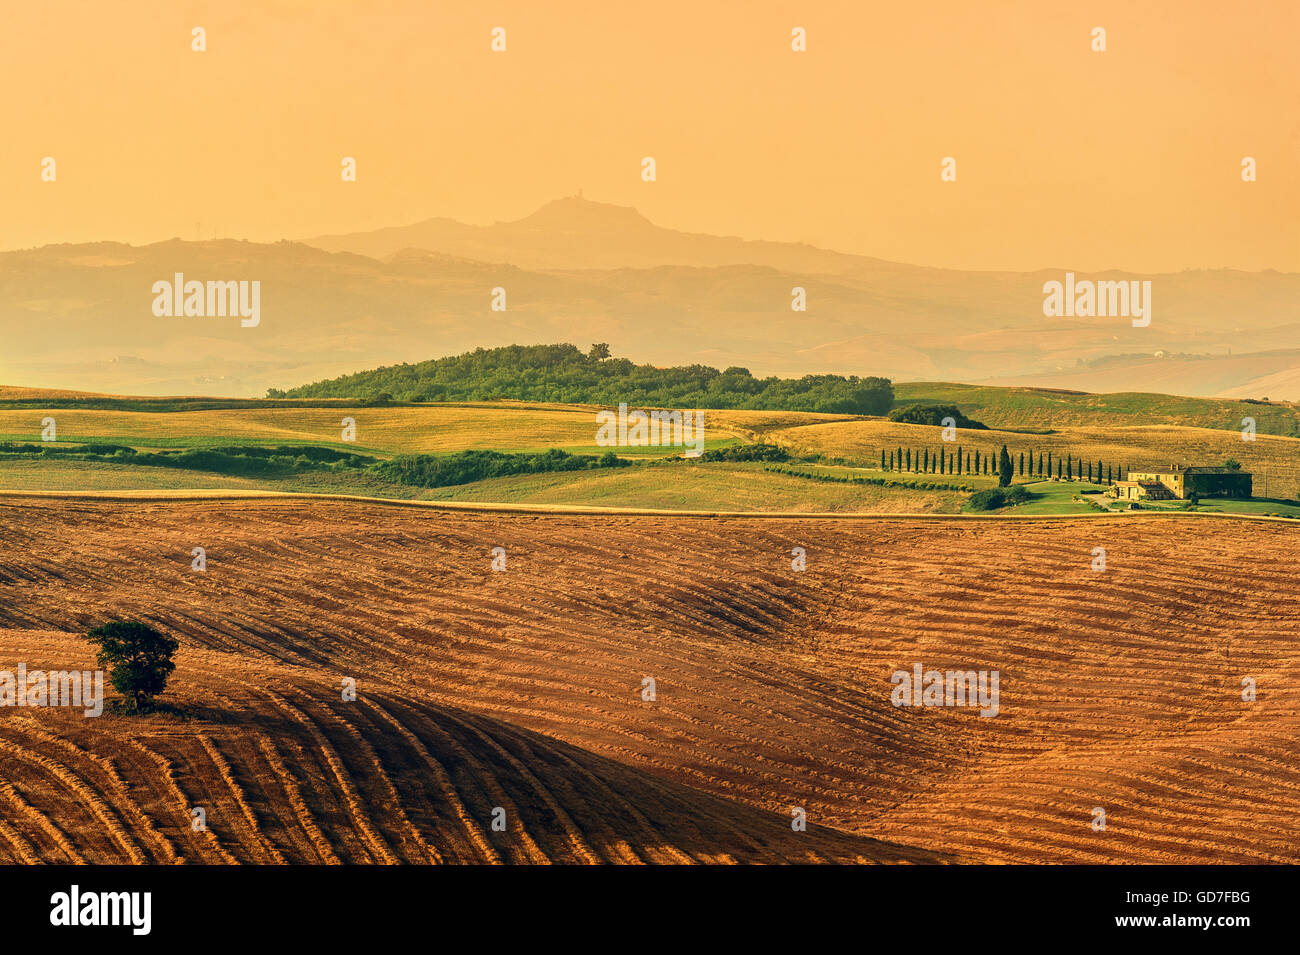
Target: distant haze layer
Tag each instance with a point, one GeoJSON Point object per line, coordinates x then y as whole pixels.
{"type": "Point", "coordinates": [84, 316]}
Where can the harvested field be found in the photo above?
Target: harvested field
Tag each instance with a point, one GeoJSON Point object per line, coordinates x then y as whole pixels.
{"type": "Point", "coordinates": [436, 428]}
{"type": "Point", "coordinates": [522, 689]}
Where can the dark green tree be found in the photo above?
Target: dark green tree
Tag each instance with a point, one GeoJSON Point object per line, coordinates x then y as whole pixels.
{"type": "Point", "coordinates": [1004, 468]}
{"type": "Point", "coordinates": [138, 658]}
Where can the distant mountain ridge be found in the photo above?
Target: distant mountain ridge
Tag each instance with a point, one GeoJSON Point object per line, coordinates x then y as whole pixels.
{"type": "Point", "coordinates": [80, 316]}
{"type": "Point", "coordinates": [575, 233]}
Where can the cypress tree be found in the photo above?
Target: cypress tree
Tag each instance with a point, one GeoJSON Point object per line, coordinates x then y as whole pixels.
{"type": "Point", "coordinates": [909, 460]}
{"type": "Point", "coordinates": [1049, 464]}
{"type": "Point", "coordinates": [942, 459]}
{"type": "Point", "coordinates": [1004, 467]}
{"type": "Point", "coordinates": [1022, 463]}
{"type": "Point", "coordinates": [882, 459]}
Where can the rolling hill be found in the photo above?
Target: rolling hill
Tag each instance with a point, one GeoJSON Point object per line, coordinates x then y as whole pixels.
{"type": "Point", "coordinates": [522, 689]}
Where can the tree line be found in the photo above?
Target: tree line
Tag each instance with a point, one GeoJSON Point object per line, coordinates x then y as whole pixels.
{"type": "Point", "coordinates": [1039, 464]}
{"type": "Point", "coordinates": [563, 373]}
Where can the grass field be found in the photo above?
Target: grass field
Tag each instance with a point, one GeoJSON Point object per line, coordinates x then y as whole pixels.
{"type": "Point", "coordinates": [407, 430]}
{"type": "Point", "coordinates": [378, 430]}
{"type": "Point", "coordinates": [1052, 497]}
{"type": "Point", "coordinates": [514, 427]}
{"type": "Point", "coordinates": [1041, 408]}
{"type": "Point", "coordinates": [1274, 461]}
{"type": "Point", "coordinates": [707, 487]}
{"type": "Point", "coordinates": [701, 487]}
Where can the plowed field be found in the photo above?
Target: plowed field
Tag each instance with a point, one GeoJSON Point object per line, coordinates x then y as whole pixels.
{"type": "Point", "coordinates": [522, 689]}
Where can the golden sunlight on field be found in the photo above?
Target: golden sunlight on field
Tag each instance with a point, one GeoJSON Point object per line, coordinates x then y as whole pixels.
{"type": "Point", "coordinates": [524, 688]}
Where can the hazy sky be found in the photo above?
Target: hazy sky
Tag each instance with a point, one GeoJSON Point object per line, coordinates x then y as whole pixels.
{"type": "Point", "coordinates": [1129, 158]}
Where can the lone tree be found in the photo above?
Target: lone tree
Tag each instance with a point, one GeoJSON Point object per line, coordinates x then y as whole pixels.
{"type": "Point", "coordinates": [138, 658]}
{"type": "Point", "coordinates": [1004, 467]}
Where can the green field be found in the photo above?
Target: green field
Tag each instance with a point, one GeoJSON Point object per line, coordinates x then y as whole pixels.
{"type": "Point", "coordinates": [1057, 497]}
{"type": "Point", "coordinates": [679, 486]}
{"type": "Point", "coordinates": [1256, 505]}
{"type": "Point", "coordinates": [834, 463]}
{"type": "Point", "coordinates": [720, 486]}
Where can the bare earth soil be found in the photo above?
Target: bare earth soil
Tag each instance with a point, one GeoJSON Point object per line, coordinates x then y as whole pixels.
{"type": "Point", "coordinates": [522, 689]}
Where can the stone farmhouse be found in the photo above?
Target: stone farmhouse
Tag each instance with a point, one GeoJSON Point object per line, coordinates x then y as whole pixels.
{"type": "Point", "coordinates": [1181, 483]}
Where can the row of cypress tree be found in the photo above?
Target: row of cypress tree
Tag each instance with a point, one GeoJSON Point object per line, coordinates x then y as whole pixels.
{"type": "Point", "coordinates": [1039, 464]}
